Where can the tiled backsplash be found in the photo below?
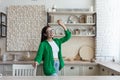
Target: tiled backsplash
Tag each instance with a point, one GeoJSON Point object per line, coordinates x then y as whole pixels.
{"type": "Point", "coordinates": [108, 26]}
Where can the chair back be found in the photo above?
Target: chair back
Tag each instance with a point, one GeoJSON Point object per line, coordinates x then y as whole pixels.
{"type": "Point", "coordinates": [24, 70]}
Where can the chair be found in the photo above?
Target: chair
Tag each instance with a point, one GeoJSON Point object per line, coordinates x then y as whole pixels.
{"type": "Point", "coordinates": [24, 70]}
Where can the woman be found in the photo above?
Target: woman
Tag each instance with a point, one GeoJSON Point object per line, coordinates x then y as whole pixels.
{"type": "Point", "coordinates": [50, 50]}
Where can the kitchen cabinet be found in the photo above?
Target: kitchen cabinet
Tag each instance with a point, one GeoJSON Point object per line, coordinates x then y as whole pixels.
{"type": "Point", "coordinates": [81, 70]}
{"type": "Point", "coordinates": [68, 70]}
{"type": "Point", "coordinates": [91, 70]}
{"type": "Point", "coordinates": [104, 70]}
{"type": "Point", "coordinates": [113, 73]}
{"type": "Point", "coordinates": [107, 71]}
{"type": "Point", "coordinates": [74, 70]}
{"type": "Point", "coordinates": [71, 70]}
{"type": "Point", "coordinates": [6, 69]}
{"type": "Point", "coordinates": [1, 69]}
{"type": "Point", "coordinates": [80, 23]}
{"type": "Point", "coordinates": [40, 70]}
{"type": "Point", "coordinates": [3, 24]}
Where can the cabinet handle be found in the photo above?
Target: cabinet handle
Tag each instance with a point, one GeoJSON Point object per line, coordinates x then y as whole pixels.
{"type": "Point", "coordinates": [103, 70]}
{"type": "Point", "coordinates": [72, 67]}
{"type": "Point", "coordinates": [90, 67]}
{"type": "Point", "coordinates": [112, 74]}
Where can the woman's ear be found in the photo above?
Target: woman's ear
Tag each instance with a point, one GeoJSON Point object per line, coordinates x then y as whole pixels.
{"type": "Point", "coordinates": [45, 34]}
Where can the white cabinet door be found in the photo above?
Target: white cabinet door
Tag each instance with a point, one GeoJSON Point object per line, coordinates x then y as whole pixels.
{"type": "Point", "coordinates": [61, 72]}
{"type": "Point", "coordinates": [107, 71]}
{"type": "Point", "coordinates": [40, 70]}
{"type": "Point", "coordinates": [91, 70]}
{"type": "Point", "coordinates": [113, 73]}
{"type": "Point", "coordinates": [71, 70]}
{"type": "Point", "coordinates": [81, 70]}
{"type": "Point", "coordinates": [7, 69]}
{"type": "Point", "coordinates": [1, 69]}
{"type": "Point", "coordinates": [104, 70]}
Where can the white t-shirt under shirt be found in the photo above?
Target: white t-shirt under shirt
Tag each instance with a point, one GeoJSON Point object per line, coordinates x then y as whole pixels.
{"type": "Point", "coordinates": [55, 49]}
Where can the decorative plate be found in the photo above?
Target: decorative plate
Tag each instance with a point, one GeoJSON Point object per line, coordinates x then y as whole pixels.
{"type": "Point", "coordinates": [73, 19]}
{"type": "Point", "coordinates": [86, 53]}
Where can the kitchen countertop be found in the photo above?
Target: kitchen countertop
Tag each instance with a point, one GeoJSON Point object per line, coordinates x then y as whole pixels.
{"type": "Point", "coordinates": [16, 62]}
{"type": "Point", "coordinates": [81, 62]}
{"type": "Point", "coordinates": [30, 62]}
{"type": "Point", "coordinates": [61, 78]}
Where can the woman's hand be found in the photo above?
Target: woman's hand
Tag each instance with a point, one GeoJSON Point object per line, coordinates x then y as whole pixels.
{"type": "Point", "coordinates": [35, 64]}
{"type": "Point", "coordinates": [62, 24]}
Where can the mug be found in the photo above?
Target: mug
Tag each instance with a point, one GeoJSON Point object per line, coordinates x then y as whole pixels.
{"type": "Point", "coordinates": [0, 75]}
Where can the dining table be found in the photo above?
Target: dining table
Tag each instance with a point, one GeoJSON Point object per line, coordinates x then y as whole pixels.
{"type": "Point", "coordinates": [60, 78]}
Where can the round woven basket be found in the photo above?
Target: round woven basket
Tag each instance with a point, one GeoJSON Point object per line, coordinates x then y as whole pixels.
{"type": "Point", "coordinates": [86, 53]}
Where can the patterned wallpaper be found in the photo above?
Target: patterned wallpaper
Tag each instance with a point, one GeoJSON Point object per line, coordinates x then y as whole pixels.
{"type": "Point", "coordinates": [24, 27]}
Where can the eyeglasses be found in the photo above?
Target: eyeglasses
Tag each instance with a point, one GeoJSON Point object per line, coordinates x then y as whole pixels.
{"type": "Point", "coordinates": [50, 31]}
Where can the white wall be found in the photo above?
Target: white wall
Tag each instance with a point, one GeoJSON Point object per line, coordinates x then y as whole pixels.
{"type": "Point", "coordinates": [5, 3]}
{"type": "Point", "coordinates": [71, 3]}
{"type": "Point", "coordinates": [108, 26]}
{"type": "Point", "coordinates": [49, 3]}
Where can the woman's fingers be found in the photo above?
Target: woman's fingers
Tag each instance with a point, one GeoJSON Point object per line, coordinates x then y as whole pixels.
{"type": "Point", "coordinates": [35, 64]}
{"type": "Point", "coordinates": [60, 22]}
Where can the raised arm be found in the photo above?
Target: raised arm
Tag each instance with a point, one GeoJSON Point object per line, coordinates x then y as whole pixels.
{"type": "Point", "coordinates": [62, 24]}
{"type": "Point", "coordinates": [67, 32]}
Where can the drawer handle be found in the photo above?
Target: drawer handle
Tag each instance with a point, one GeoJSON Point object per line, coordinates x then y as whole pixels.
{"type": "Point", "coordinates": [72, 67]}
{"type": "Point", "coordinates": [103, 70]}
{"type": "Point", "coordinates": [112, 74]}
{"type": "Point", "coordinates": [90, 67]}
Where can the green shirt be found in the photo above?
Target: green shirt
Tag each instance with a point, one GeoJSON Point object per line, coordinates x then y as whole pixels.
{"type": "Point", "coordinates": [45, 53]}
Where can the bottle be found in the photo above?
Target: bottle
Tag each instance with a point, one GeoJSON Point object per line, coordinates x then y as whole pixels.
{"type": "Point", "coordinates": [91, 8]}
{"type": "Point", "coordinates": [49, 9]}
{"type": "Point", "coordinates": [113, 60]}
{"type": "Point", "coordinates": [4, 57]}
{"type": "Point", "coordinates": [54, 8]}
{"type": "Point", "coordinates": [28, 54]}
{"type": "Point", "coordinates": [15, 57]}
